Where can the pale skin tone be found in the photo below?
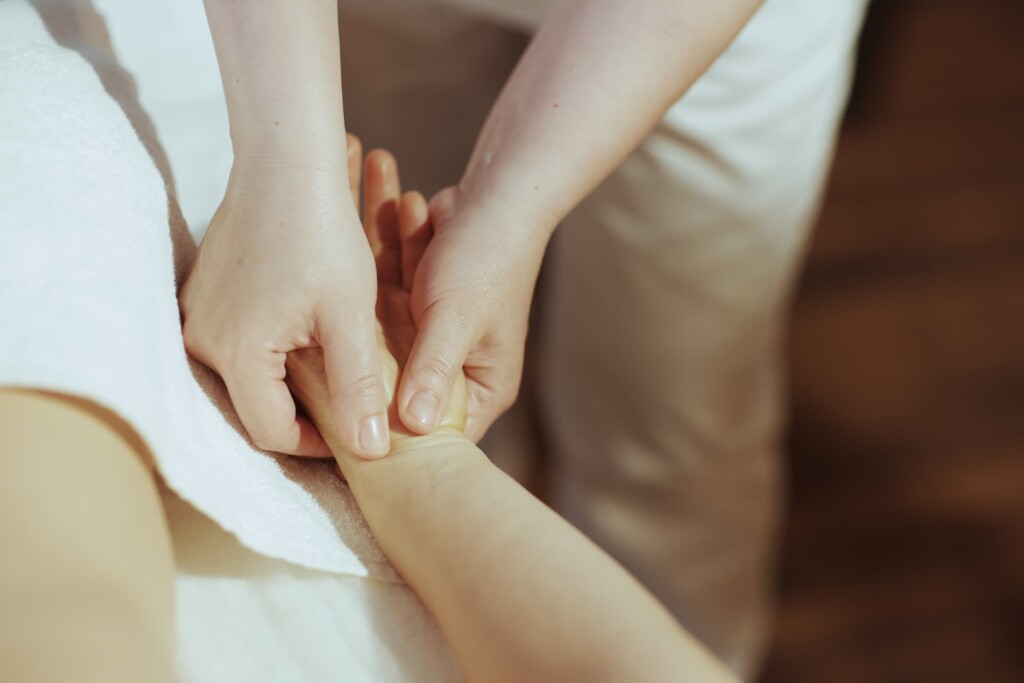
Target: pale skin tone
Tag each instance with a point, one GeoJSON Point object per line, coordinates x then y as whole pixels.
{"type": "Point", "coordinates": [466, 537]}
{"type": "Point", "coordinates": [284, 264]}
{"type": "Point", "coordinates": [281, 267]}
{"type": "Point", "coordinates": [594, 81]}
{"type": "Point", "coordinates": [469, 539]}
{"type": "Point", "coordinates": [86, 582]}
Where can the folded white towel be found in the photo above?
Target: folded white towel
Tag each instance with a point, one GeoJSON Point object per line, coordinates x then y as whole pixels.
{"type": "Point", "coordinates": [88, 307]}
{"type": "Point", "coordinates": [90, 243]}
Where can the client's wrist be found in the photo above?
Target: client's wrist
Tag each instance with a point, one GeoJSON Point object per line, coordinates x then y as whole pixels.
{"type": "Point", "coordinates": [414, 461]}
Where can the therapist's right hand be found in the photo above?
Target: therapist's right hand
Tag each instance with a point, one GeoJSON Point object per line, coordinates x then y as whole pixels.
{"type": "Point", "coordinates": [285, 265]}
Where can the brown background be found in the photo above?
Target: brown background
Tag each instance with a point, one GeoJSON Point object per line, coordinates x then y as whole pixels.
{"type": "Point", "coordinates": [904, 549]}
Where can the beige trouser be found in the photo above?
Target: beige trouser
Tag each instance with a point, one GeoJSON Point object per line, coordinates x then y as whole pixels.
{"type": "Point", "coordinates": [658, 367]}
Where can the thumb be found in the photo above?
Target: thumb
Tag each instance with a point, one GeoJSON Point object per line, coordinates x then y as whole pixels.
{"type": "Point", "coordinates": [355, 383]}
{"type": "Point", "coordinates": [437, 356]}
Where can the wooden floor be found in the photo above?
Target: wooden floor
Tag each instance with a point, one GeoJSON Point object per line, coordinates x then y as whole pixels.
{"type": "Point", "coordinates": [904, 551]}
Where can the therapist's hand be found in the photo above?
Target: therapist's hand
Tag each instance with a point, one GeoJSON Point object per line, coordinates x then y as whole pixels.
{"type": "Point", "coordinates": [284, 266]}
{"type": "Point", "coordinates": [594, 81]}
{"type": "Point", "coordinates": [471, 301]}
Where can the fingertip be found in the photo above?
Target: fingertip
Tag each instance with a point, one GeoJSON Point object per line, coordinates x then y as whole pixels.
{"type": "Point", "coordinates": [373, 438]}
{"type": "Point", "coordinates": [422, 398]}
{"type": "Point", "coordinates": [422, 411]}
{"type": "Point", "coordinates": [381, 165]}
{"type": "Point", "coordinates": [443, 201]}
{"type": "Point", "coordinates": [310, 443]}
{"type": "Point", "coordinates": [416, 199]}
{"type": "Point", "coordinates": [267, 411]}
{"type": "Point", "coordinates": [414, 212]}
{"type": "Point", "coordinates": [435, 360]}
{"type": "Point", "coordinates": [353, 145]}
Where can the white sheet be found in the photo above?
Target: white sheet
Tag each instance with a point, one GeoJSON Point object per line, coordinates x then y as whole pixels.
{"type": "Point", "coordinates": [89, 248]}
{"type": "Point", "coordinates": [247, 617]}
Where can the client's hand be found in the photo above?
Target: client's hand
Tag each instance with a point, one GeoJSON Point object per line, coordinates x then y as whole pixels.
{"type": "Point", "coordinates": [398, 229]}
{"type": "Point", "coordinates": [466, 537]}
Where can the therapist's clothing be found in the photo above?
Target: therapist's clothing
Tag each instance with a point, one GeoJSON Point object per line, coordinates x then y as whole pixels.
{"type": "Point", "coordinates": [658, 364]}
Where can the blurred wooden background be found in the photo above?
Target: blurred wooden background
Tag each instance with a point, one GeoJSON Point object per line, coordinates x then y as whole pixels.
{"type": "Point", "coordinates": [904, 551]}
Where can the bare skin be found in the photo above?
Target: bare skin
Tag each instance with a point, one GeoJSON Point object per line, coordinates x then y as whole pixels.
{"type": "Point", "coordinates": [282, 267]}
{"type": "Point", "coordinates": [284, 264]}
{"type": "Point", "coordinates": [468, 538]}
{"type": "Point", "coordinates": [87, 577]}
{"type": "Point", "coordinates": [594, 81]}
{"type": "Point", "coordinates": [89, 571]}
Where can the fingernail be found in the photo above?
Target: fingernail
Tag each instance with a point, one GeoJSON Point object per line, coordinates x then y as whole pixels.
{"type": "Point", "coordinates": [423, 407]}
{"type": "Point", "coordinates": [373, 436]}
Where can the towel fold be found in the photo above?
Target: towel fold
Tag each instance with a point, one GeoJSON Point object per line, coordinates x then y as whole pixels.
{"type": "Point", "coordinates": [89, 235]}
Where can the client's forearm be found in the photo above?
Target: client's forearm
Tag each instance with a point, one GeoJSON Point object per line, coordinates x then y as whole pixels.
{"type": "Point", "coordinates": [518, 592]}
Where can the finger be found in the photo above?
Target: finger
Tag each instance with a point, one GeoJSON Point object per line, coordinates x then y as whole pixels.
{"type": "Point", "coordinates": [354, 150]}
{"type": "Point", "coordinates": [380, 214]}
{"type": "Point", "coordinates": [414, 231]}
{"type": "Point", "coordinates": [267, 411]}
{"type": "Point", "coordinates": [436, 358]}
{"type": "Point", "coordinates": [355, 383]}
{"type": "Point", "coordinates": [489, 393]}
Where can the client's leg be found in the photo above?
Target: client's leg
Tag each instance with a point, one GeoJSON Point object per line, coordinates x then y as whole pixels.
{"type": "Point", "coordinates": [87, 577]}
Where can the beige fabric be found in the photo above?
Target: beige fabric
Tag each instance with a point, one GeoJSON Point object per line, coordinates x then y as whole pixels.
{"type": "Point", "coordinates": [658, 361]}
{"type": "Point", "coordinates": [520, 14]}
{"type": "Point", "coordinates": [668, 291]}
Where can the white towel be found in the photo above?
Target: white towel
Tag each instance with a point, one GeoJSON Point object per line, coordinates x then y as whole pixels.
{"type": "Point", "coordinates": [88, 307]}
{"type": "Point", "coordinates": [90, 244]}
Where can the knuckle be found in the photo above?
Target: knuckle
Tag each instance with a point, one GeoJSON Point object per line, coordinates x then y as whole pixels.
{"type": "Point", "coordinates": [435, 371]}
{"type": "Point", "coordinates": [364, 387]}
{"type": "Point", "coordinates": [263, 440]}
{"type": "Point", "coordinates": [270, 438]}
{"type": "Point", "coordinates": [214, 347]}
{"type": "Point", "coordinates": [505, 400]}
{"type": "Point", "coordinates": [197, 343]}
{"type": "Point", "coordinates": [230, 355]}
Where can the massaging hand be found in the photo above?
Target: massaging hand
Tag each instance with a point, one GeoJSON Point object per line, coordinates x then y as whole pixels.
{"type": "Point", "coordinates": [594, 81]}
{"type": "Point", "coordinates": [470, 301]}
{"type": "Point", "coordinates": [398, 230]}
{"type": "Point", "coordinates": [465, 536]}
{"type": "Point", "coordinates": [285, 265]}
